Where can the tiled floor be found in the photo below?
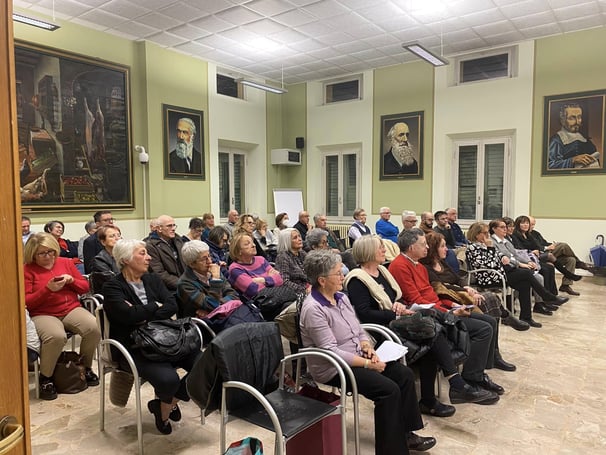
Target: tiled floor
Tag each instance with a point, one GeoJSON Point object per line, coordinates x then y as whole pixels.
{"type": "Point", "coordinates": [554, 403]}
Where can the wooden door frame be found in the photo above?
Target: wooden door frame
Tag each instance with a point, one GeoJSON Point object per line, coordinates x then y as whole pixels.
{"type": "Point", "coordinates": [14, 384]}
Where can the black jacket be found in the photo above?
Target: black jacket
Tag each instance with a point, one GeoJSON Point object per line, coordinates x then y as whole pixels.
{"type": "Point", "coordinates": [124, 318]}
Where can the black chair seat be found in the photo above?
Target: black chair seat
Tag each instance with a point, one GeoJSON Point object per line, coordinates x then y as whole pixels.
{"type": "Point", "coordinates": [295, 412]}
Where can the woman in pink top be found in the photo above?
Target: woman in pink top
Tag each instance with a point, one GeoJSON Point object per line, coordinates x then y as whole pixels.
{"type": "Point", "coordinates": [248, 274]}
{"type": "Point", "coordinates": [52, 287]}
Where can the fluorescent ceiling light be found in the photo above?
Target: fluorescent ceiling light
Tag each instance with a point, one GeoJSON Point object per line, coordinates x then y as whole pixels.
{"type": "Point", "coordinates": [260, 86]}
{"type": "Point", "coordinates": [35, 22]}
{"type": "Point", "coordinates": [420, 51]}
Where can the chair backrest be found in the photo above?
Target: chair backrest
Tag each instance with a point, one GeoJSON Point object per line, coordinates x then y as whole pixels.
{"type": "Point", "coordinates": [249, 352]}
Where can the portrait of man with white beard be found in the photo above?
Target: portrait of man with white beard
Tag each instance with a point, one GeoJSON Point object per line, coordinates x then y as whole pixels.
{"type": "Point", "coordinates": [402, 157]}
{"type": "Point", "coordinates": [185, 159]}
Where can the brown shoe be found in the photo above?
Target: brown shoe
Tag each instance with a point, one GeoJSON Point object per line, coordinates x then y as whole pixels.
{"type": "Point", "coordinates": [568, 290]}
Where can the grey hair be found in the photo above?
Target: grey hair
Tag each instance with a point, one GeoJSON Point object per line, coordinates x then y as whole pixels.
{"type": "Point", "coordinates": [124, 249]}
{"type": "Point", "coordinates": [407, 238]}
{"type": "Point", "coordinates": [191, 251]}
{"type": "Point", "coordinates": [317, 216]}
{"type": "Point", "coordinates": [190, 123]}
{"type": "Point", "coordinates": [314, 237]}
{"type": "Point", "coordinates": [285, 239]}
{"type": "Point", "coordinates": [90, 225]}
{"type": "Point", "coordinates": [406, 213]}
{"type": "Point", "coordinates": [319, 263]}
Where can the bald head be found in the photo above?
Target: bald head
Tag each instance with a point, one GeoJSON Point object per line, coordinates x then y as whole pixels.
{"type": "Point", "coordinates": [166, 227]}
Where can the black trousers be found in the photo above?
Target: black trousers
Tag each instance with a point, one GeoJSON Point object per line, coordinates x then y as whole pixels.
{"type": "Point", "coordinates": [438, 356]}
{"type": "Point", "coordinates": [396, 407]}
{"type": "Point", "coordinates": [163, 376]}
{"type": "Point", "coordinates": [549, 282]}
{"type": "Point", "coordinates": [483, 333]}
{"type": "Point", "coordinates": [523, 280]}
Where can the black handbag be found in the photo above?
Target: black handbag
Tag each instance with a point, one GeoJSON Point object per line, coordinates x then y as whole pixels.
{"type": "Point", "coordinates": [69, 373]}
{"type": "Point", "coordinates": [166, 340]}
{"type": "Point", "coordinates": [417, 326]}
{"type": "Point", "coordinates": [457, 336]}
{"type": "Point", "coordinates": [271, 301]}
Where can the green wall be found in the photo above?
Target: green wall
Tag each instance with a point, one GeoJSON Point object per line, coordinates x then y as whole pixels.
{"type": "Point", "coordinates": [570, 63]}
{"type": "Point", "coordinates": [401, 89]}
{"type": "Point", "coordinates": [286, 120]}
{"type": "Point", "coordinates": [178, 80]}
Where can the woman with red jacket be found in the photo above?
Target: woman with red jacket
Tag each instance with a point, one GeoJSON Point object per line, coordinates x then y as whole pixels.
{"type": "Point", "coordinates": [52, 287]}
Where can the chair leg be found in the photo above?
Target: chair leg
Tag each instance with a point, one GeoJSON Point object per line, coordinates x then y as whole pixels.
{"type": "Point", "coordinates": [139, 416]}
{"type": "Point", "coordinates": [37, 377]}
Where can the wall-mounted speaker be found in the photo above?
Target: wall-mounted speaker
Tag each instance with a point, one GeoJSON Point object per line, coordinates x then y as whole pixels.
{"type": "Point", "coordinates": [300, 142]}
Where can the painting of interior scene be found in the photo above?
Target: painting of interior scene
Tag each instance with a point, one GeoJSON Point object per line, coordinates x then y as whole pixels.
{"type": "Point", "coordinates": [74, 131]}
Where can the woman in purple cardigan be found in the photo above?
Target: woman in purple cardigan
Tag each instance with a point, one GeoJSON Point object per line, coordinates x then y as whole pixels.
{"type": "Point", "coordinates": [248, 274]}
{"type": "Point", "coordinates": [328, 321]}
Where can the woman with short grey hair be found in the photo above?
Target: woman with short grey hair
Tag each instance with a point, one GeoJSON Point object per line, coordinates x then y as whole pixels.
{"type": "Point", "coordinates": [135, 296]}
{"type": "Point", "coordinates": [201, 288]}
{"type": "Point", "coordinates": [329, 322]}
{"type": "Point", "coordinates": [318, 264]}
{"type": "Point", "coordinates": [124, 249]}
{"type": "Point", "coordinates": [289, 261]}
{"type": "Point", "coordinates": [317, 239]}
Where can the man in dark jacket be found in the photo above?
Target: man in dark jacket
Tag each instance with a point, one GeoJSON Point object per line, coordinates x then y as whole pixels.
{"type": "Point", "coordinates": [164, 247]}
{"type": "Point", "coordinates": [92, 246]}
{"type": "Point", "coordinates": [303, 224]}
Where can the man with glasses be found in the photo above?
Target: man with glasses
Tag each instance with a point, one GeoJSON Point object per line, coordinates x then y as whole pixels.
{"type": "Point", "coordinates": [409, 219]}
{"type": "Point", "coordinates": [164, 247]}
{"type": "Point", "coordinates": [384, 227]}
{"type": "Point", "coordinates": [303, 224]}
{"type": "Point", "coordinates": [92, 246]}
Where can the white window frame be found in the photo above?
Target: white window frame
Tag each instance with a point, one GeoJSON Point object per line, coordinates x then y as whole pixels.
{"type": "Point", "coordinates": [355, 77]}
{"type": "Point", "coordinates": [231, 152]}
{"type": "Point", "coordinates": [481, 143]}
{"type": "Point", "coordinates": [512, 59]}
{"type": "Point", "coordinates": [340, 152]}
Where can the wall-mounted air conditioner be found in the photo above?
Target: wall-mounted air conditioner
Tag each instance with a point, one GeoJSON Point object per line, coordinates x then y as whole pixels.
{"type": "Point", "coordinates": [288, 157]}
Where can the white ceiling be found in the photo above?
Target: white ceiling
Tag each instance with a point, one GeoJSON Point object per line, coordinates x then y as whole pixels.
{"type": "Point", "coordinates": [317, 39]}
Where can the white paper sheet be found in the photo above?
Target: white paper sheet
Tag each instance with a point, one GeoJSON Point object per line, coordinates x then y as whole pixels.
{"type": "Point", "coordinates": [389, 351]}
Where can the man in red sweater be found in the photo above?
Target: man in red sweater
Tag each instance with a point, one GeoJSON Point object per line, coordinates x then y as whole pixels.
{"type": "Point", "coordinates": [413, 279]}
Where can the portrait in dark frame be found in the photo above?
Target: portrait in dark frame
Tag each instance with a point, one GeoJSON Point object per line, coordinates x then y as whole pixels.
{"type": "Point", "coordinates": [402, 146]}
{"type": "Point", "coordinates": [573, 138]}
{"type": "Point", "coordinates": [183, 143]}
{"type": "Point", "coordinates": [73, 123]}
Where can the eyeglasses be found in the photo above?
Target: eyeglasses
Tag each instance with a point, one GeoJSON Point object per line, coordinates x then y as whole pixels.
{"type": "Point", "coordinates": [323, 242]}
{"type": "Point", "coordinates": [336, 274]}
{"type": "Point", "coordinates": [170, 226]}
{"type": "Point", "coordinates": [483, 232]}
{"type": "Point", "coordinates": [46, 253]}
{"type": "Point", "coordinates": [205, 258]}
{"type": "Point", "coordinates": [410, 221]}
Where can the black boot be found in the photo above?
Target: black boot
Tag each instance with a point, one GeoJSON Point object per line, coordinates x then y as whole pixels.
{"type": "Point", "coordinates": [567, 273]}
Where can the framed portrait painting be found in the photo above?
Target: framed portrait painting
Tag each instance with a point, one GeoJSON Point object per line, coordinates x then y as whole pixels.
{"type": "Point", "coordinates": [74, 131]}
{"type": "Point", "coordinates": [573, 136]}
{"type": "Point", "coordinates": [183, 143]}
{"type": "Point", "coordinates": [402, 146]}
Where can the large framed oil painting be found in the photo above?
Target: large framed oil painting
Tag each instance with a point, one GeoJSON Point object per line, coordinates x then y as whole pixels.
{"type": "Point", "coordinates": [74, 129]}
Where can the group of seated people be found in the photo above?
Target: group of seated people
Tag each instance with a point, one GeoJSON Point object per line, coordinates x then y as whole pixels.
{"type": "Point", "coordinates": [167, 275]}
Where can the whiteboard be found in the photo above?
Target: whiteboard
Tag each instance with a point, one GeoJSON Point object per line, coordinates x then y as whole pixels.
{"type": "Point", "coordinates": [289, 201]}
